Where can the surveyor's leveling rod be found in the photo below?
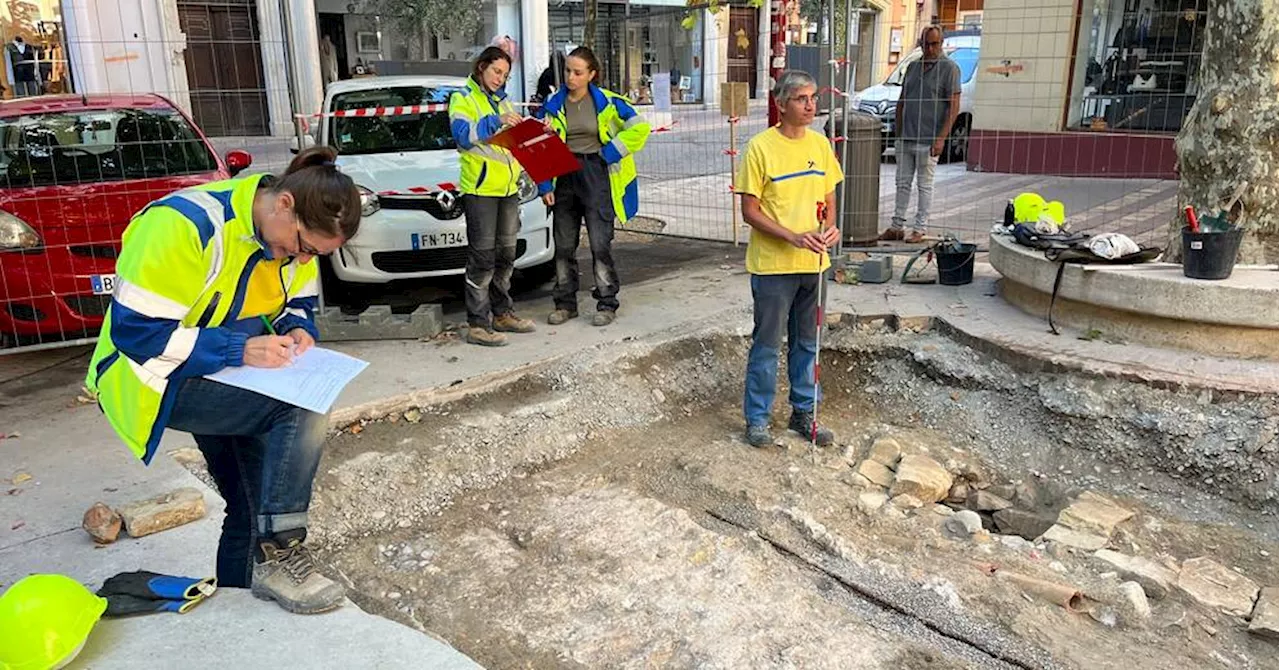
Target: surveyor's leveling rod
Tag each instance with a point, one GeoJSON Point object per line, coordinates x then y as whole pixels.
{"type": "Point", "coordinates": [817, 357]}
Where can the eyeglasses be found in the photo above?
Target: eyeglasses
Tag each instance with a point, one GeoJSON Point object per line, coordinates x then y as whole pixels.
{"type": "Point", "coordinates": [805, 100]}
{"type": "Point", "coordinates": [304, 249]}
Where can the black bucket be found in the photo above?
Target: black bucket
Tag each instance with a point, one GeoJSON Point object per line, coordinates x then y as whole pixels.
{"type": "Point", "coordinates": [1210, 255]}
{"type": "Point", "coordinates": [955, 264]}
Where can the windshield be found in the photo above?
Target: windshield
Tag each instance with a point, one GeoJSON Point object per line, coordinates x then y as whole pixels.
{"type": "Point", "coordinates": [966, 58]}
{"type": "Point", "coordinates": [68, 148]}
{"type": "Point", "coordinates": [384, 134]}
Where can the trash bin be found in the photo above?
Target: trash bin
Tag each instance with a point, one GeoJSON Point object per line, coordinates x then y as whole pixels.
{"type": "Point", "coordinates": [858, 197]}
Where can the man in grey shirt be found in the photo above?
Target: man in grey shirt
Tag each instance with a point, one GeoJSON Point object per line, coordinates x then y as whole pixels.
{"type": "Point", "coordinates": [927, 108]}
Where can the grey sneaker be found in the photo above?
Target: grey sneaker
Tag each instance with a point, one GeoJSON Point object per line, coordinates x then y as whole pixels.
{"type": "Point", "coordinates": [289, 577]}
{"type": "Point", "coordinates": [604, 317]}
{"type": "Point", "coordinates": [560, 316]}
{"type": "Point", "coordinates": [759, 436]}
{"type": "Point", "coordinates": [802, 422]}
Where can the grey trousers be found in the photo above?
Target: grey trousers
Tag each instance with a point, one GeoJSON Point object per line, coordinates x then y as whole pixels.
{"type": "Point", "coordinates": [914, 164]}
{"type": "Point", "coordinates": [492, 227]}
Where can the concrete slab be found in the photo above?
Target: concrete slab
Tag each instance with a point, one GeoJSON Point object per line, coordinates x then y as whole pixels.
{"type": "Point", "coordinates": [235, 630]}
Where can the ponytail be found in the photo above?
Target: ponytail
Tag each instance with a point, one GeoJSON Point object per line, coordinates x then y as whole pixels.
{"type": "Point", "coordinates": [325, 200]}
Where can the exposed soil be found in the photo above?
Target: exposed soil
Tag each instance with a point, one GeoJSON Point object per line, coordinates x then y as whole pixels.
{"type": "Point", "coordinates": [604, 513]}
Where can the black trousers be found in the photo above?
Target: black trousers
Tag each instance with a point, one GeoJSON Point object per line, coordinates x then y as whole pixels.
{"type": "Point", "coordinates": [584, 196]}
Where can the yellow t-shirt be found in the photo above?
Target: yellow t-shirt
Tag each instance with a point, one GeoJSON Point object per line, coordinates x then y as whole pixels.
{"type": "Point", "coordinates": [264, 293]}
{"type": "Point", "coordinates": [790, 177]}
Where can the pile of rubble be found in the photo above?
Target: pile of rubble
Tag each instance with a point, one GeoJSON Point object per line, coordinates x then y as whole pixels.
{"type": "Point", "coordinates": [1044, 519]}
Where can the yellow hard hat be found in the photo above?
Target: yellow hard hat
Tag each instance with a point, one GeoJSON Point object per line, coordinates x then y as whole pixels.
{"type": "Point", "coordinates": [44, 622]}
{"type": "Point", "coordinates": [1027, 207]}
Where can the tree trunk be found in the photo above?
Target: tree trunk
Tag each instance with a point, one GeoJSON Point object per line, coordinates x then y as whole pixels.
{"type": "Point", "coordinates": [589, 25]}
{"type": "Point", "coordinates": [1230, 136]}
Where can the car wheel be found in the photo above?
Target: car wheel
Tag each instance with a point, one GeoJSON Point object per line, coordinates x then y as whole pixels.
{"type": "Point", "coordinates": [336, 292]}
{"type": "Point", "coordinates": [958, 141]}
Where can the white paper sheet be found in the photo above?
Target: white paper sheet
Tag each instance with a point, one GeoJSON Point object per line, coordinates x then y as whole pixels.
{"type": "Point", "coordinates": [313, 381]}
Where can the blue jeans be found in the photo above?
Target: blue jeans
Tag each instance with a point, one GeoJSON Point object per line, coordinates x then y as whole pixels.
{"type": "Point", "coordinates": [262, 454]}
{"type": "Point", "coordinates": [790, 303]}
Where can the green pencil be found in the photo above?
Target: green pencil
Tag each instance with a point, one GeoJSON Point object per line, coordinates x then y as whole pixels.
{"type": "Point", "coordinates": [270, 328]}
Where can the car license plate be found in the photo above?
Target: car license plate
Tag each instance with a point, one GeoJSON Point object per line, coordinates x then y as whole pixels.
{"type": "Point", "coordinates": [437, 240]}
{"type": "Point", "coordinates": [103, 284]}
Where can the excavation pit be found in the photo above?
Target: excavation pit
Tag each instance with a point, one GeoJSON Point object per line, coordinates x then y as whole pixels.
{"type": "Point", "coordinates": [602, 511]}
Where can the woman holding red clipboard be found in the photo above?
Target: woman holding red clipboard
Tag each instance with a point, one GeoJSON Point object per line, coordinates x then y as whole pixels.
{"type": "Point", "coordinates": [490, 183]}
{"type": "Point", "coordinates": [604, 132]}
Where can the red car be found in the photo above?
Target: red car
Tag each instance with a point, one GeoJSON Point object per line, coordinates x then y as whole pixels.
{"type": "Point", "coordinates": [73, 171]}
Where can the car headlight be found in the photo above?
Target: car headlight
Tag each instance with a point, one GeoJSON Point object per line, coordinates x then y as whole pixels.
{"type": "Point", "coordinates": [527, 189]}
{"type": "Point", "coordinates": [368, 202]}
{"type": "Point", "coordinates": [16, 234]}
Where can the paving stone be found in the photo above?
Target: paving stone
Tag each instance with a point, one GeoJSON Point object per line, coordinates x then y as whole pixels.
{"type": "Point", "coordinates": [1264, 622]}
{"type": "Point", "coordinates": [876, 472]}
{"type": "Point", "coordinates": [1156, 579]}
{"type": "Point", "coordinates": [163, 512]}
{"type": "Point", "coordinates": [1217, 587]}
{"type": "Point", "coordinates": [1073, 538]}
{"type": "Point", "coordinates": [922, 477]}
{"type": "Point", "coordinates": [379, 323]}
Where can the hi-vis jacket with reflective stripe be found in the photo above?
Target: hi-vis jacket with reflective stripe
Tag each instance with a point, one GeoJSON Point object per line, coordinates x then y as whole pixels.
{"type": "Point", "coordinates": [622, 131]}
{"type": "Point", "coordinates": [181, 279]}
{"type": "Point", "coordinates": [474, 117]}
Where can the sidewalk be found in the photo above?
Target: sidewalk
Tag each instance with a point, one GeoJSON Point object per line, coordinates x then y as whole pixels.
{"type": "Point", "coordinates": [965, 204]}
{"type": "Point", "coordinates": [75, 461]}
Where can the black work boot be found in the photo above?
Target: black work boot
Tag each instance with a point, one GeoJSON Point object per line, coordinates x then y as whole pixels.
{"type": "Point", "coordinates": [802, 422]}
{"type": "Point", "coordinates": [284, 571]}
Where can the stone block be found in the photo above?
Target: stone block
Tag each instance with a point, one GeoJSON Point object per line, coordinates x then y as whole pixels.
{"type": "Point", "coordinates": [877, 473]}
{"type": "Point", "coordinates": [1074, 538]}
{"type": "Point", "coordinates": [379, 323]}
{"type": "Point", "coordinates": [1264, 622]}
{"type": "Point", "coordinates": [163, 512]}
{"type": "Point", "coordinates": [985, 501]}
{"type": "Point", "coordinates": [1091, 513]}
{"type": "Point", "coordinates": [1156, 579]}
{"type": "Point", "coordinates": [885, 451]}
{"type": "Point", "coordinates": [922, 477]}
{"type": "Point", "coordinates": [1217, 587]}
{"type": "Point", "coordinates": [1024, 524]}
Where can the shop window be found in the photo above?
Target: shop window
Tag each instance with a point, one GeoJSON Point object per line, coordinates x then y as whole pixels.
{"type": "Point", "coordinates": [1137, 63]}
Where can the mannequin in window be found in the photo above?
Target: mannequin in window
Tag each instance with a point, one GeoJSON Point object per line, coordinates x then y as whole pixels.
{"type": "Point", "coordinates": [21, 60]}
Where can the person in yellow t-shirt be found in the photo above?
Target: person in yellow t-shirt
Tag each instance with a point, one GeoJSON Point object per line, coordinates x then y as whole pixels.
{"type": "Point", "coordinates": [787, 177]}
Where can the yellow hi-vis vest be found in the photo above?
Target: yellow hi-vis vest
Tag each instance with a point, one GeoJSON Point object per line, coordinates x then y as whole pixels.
{"type": "Point", "coordinates": [474, 117]}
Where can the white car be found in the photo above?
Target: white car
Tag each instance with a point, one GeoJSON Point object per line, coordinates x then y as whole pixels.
{"type": "Point", "coordinates": [406, 165]}
{"type": "Point", "coordinates": [882, 99]}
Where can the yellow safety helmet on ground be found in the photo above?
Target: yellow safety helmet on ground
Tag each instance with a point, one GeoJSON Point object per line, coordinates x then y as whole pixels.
{"type": "Point", "coordinates": [44, 622]}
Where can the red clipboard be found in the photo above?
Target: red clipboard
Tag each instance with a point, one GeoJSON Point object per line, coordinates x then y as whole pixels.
{"type": "Point", "coordinates": [540, 151]}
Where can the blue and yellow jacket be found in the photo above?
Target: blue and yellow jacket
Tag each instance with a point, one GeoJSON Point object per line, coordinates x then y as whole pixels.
{"type": "Point", "coordinates": [474, 118]}
{"type": "Point", "coordinates": [192, 281]}
{"type": "Point", "coordinates": [623, 132]}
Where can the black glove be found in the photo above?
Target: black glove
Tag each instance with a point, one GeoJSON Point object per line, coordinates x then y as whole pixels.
{"type": "Point", "coordinates": [154, 586]}
{"type": "Point", "coordinates": [121, 604]}
{"type": "Point", "coordinates": [141, 592]}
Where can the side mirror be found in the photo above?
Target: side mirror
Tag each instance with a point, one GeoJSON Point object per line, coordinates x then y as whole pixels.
{"type": "Point", "coordinates": [238, 160]}
{"type": "Point", "coordinates": [308, 140]}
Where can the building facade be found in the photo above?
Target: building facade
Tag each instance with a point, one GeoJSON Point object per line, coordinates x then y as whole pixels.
{"type": "Point", "coordinates": [1085, 87]}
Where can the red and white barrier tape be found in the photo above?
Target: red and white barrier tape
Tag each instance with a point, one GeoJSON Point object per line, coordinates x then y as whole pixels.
{"type": "Point", "coordinates": [419, 190]}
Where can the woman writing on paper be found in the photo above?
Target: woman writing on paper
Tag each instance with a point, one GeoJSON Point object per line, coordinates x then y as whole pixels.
{"type": "Point", "coordinates": [602, 130]}
{"type": "Point", "coordinates": [490, 185]}
{"type": "Point", "coordinates": [205, 279]}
